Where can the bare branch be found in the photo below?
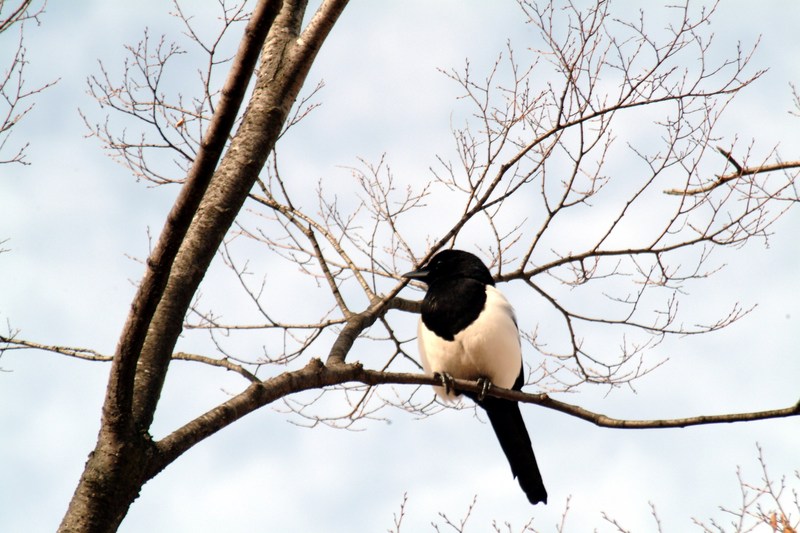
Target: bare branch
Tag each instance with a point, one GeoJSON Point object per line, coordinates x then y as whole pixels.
{"type": "Point", "coordinates": [767, 503]}
{"type": "Point", "coordinates": [739, 173]}
{"type": "Point", "coordinates": [18, 14]}
{"type": "Point", "coordinates": [222, 363]}
{"type": "Point", "coordinates": [161, 259]}
{"type": "Point", "coordinates": [15, 97]}
{"type": "Point", "coordinates": [12, 343]}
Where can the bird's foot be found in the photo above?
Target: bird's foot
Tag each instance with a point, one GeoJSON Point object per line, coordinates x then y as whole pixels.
{"type": "Point", "coordinates": [447, 381]}
{"type": "Point", "coordinates": [485, 385]}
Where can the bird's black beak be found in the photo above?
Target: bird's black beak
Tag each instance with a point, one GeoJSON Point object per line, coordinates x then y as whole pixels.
{"type": "Point", "coordinates": [420, 274]}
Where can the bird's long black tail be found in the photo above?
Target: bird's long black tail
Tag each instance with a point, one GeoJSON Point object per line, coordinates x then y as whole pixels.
{"type": "Point", "coordinates": [506, 419]}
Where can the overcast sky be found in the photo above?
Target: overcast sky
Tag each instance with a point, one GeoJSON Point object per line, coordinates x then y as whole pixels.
{"type": "Point", "coordinates": [74, 220]}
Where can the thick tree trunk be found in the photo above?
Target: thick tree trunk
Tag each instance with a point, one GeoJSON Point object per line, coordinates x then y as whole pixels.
{"type": "Point", "coordinates": [125, 457]}
{"type": "Point", "coordinates": [111, 481]}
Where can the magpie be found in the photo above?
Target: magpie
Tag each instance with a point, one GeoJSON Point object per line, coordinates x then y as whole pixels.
{"type": "Point", "coordinates": [468, 330]}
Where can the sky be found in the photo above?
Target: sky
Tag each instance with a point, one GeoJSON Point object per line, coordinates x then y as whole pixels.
{"type": "Point", "coordinates": [77, 225]}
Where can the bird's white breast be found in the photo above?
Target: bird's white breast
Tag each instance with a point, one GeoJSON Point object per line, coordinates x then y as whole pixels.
{"type": "Point", "coordinates": [489, 347]}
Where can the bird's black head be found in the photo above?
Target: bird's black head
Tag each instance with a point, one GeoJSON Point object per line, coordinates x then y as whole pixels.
{"type": "Point", "coordinates": [451, 265]}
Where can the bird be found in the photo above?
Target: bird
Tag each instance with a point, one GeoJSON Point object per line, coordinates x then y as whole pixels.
{"type": "Point", "coordinates": [468, 330]}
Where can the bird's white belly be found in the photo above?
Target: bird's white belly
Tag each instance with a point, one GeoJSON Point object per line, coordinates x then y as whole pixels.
{"type": "Point", "coordinates": [489, 347]}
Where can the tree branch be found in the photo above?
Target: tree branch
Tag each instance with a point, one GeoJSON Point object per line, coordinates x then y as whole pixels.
{"type": "Point", "coordinates": [739, 173]}
{"type": "Point", "coordinates": [119, 396]}
{"type": "Point", "coordinates": [339, 373]}
{"type": "Point", "coordinates": [316, 375]}
{"type": "Point", "coordinates": [87, 354]}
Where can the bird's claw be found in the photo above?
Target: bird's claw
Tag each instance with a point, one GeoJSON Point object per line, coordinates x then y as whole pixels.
{"type": "Point", "coordinates": [485, 384]}
{"type": "Point", "coordinates": [447, 381]}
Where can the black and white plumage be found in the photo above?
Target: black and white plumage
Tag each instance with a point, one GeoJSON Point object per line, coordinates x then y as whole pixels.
{"type": "Point", "coordinates": [468, 330]}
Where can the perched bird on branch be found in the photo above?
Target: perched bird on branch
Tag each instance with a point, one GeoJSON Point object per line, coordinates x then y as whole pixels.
{"type": "Point", "coordinates": [468, 330]}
